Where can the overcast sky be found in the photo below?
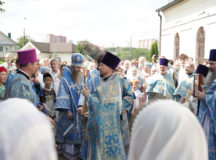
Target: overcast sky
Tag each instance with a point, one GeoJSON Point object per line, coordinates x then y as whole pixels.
{"type": "Point", "coordinates": [102, 22]}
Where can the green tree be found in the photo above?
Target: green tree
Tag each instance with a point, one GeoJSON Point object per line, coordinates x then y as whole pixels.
{"type": "Point", "coordinates": [153, 51]}
{"type": "Point", "coordinates": [90, 49]}
{"type": "Point", "coordinates": [124, 53]}
{"type": "Point", "coordinates": [79, 49]}
{"type": "Point", "coordinates": [1, 4]}
{"type": "Point", "coordinates": [23, 40]}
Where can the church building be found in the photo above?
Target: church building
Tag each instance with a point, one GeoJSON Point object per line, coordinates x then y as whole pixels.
{"type": "Point", "coordinates": [188, 26]}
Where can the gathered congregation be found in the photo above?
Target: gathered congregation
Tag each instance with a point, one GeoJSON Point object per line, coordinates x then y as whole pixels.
{"type": "Point", "coordinates": [110, 109]}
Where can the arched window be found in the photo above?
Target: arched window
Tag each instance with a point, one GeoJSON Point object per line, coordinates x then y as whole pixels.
{"type": "Point", "coordinates": [200, 45]}
{"type": "Point", "coordinates": [177, 45]}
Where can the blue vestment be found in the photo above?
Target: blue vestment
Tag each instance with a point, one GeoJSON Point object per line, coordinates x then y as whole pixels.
{"type": "Point", "coordinates": [67, 100]}
{"type": "Point", "coordinates": [207, 118]}
{"type": "Point", "coordinates": [7, 83]}
{"type": "Point", "coordinates": [92, 81]}
{"type": "Point", "coordinates": [184, 88]}
{"type": "Point", "coordinates": [127, 106]}
{"type": "Point", "coordinates": [104, 121]}
{"type": "Point", "coordinates": [20, 87]}
{"type": "Point", "coordinates": [163, 85]}
{"type": "Point", "coordinates": [38, 94]}
{"type": "Point", "coordinates": [127, 96]}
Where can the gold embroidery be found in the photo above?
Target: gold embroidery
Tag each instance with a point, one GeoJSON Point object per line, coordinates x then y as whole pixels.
{"type": "Point", "coordinates": [78, 58]}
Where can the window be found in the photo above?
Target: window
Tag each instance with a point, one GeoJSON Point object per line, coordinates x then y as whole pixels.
{"type": "Point", "coordinates": [177, 45]}
{"type": "Point", "coordinates": [200, 45]}
{"type": "Point", "coordinates": [1, 48]}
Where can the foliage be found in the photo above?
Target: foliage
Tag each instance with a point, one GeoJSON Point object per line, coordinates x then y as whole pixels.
{"type": "Point", "coordinates": [79, 49]}
{"type": "Point", "coordinates": [129, 54]}
{"type": "Point", "coordinates": [23, 40]}
{"type": "Point", "coordinates": [1, 9]}
{"type": "Point", "coordinates": [153, 51]}
{"type": "Point", "coordinates": [90, 49]}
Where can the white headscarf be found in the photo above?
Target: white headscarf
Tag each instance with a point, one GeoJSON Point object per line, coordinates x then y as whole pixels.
{"type": "Point", "coordinates": [25, 133]}
{"type": "Point", "coordinates": [165, 130]}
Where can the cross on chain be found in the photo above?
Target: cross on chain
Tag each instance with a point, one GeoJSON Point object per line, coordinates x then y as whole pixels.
{"type": "Point", "coordinates": [73, 85]}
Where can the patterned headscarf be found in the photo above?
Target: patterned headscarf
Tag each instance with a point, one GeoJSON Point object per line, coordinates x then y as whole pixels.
{"type": "Point", "coordinates": [166, 130]}
{"type": "Point", "coordinates": [25, 133]}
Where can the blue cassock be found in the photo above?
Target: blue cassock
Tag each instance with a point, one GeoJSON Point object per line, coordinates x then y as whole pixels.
{"type": "Point", "coordinates": [7, 83]}
{"type": "Point", "coordinates": [163, 85]}
{"type": "Point", "coordinates": [184, 89]}
{"type": "Point", "coordinates": [104, 131]}
{"type": "Point", "coordinates": [207, 118]}
{"type": "Point", "coordinates": [127, 106]}
{"type": "Point", "coordinates": [19, 86]}
{"type": "Point", "coordinates": [92, 81]}
{"type": "Point", "coordinates": [67, 100]}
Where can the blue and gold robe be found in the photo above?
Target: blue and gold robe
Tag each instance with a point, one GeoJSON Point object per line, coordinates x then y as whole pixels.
{"type": "Point", "coordinates": [20, 87]}
{"type": "Point", "coordinates": [104, 131]}
{"type": "Point", "coordinates": [160, 85]}
{"type": "Point", "coordinates": [92, 81]}
{"type": "Point", "coordinates": [184, 88]}
{"type": "Point", "coordinates": [67, 100]}
{"type": "Point", "coordinates": [127, 106]}
{"type": "Point", "coordinates": [207, 118]}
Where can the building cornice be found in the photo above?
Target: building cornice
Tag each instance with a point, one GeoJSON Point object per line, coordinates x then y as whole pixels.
{"type": "Point", "coordinates": [169, 5]}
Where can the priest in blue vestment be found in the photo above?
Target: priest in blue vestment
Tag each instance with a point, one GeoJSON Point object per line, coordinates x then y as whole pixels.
{"type": "Point", "coordinates": [162, 84]}
{"type": "Point", "coordinates": [20, 86]}
{"type": "Point", "coordinates": [105, 108]}
{"type": "Point", "coordinates": [184, 88]}
{"type": "Point", "coordinates": [193, 102]}
{"type": "Point", "coordinates": [69, 129]}
{"type": "Point", "coordinates": [92, 81]}
{"type": "Point", "coordinates": [207, 108]}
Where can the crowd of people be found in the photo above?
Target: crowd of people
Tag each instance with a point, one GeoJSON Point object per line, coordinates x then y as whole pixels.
{"type": "Point", "coordinates": [109, 109]}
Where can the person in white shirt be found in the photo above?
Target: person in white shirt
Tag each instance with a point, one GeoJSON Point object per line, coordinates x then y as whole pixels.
{"type": "Point", "coordinates": [58, 79]}
{"type": "Point", "coordinates": [54, 64]}
{"type": "Point", "coordinates": [137, 92]}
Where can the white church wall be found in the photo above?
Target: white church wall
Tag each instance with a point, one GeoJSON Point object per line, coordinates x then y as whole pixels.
{"type": "Point", "coordinates": [211, 38]}
{"type": "Point", "coordinates": [187, 8]}
{"type": "Point", "coordinates": [187, 28]}
{"type": "Point", "coordinates": [186, 41]}
{"type": "Point", "coordinates": [166, 45]}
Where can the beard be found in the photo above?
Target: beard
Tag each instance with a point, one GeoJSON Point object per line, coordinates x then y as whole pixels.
{"type": "Point", "coordinates": [210, 77]}
{"type": "Point", "coordinates": [76, 75]}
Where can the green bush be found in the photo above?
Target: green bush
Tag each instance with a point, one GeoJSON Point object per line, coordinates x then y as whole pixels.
{"type": "Point", "coordinates": [153, 51]}
{"type": "Point", "coordinates": [127, 54]}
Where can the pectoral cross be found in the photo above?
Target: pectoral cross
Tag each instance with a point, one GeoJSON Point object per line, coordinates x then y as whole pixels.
{"type": "Point", "coordinates": [73, 85]}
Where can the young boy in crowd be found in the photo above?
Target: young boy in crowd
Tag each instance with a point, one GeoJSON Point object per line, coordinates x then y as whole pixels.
{"type": "Point", "coordinates": [138, 94]}
{"type": "Point", "coordinates": [49, 96]}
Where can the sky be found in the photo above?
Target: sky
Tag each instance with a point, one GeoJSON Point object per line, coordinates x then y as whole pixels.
{"type": "Point", "coordinates": [108, 23]}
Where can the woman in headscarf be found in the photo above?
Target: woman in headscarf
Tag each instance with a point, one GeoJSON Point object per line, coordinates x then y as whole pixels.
{"type": "Point", "coordinates": [25, 133]}
{"type": "Point", "coordinates": [165, 130]}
